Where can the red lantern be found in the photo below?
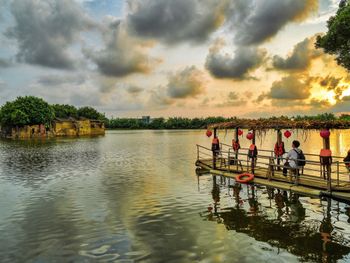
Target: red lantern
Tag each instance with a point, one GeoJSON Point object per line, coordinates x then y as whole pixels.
{"type": "Point", "coordinates": [325, 133]}
{"type": "Point", "coordinates": [240, 132]}
{"type": "Point", "coordinates": [208, 133]}
{"type": "Point", "coordinates": [287, 134]}
{"type": "Point", "coordinates": [250, 135]}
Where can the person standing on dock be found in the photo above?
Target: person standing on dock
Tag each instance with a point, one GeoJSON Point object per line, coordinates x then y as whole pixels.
{"type": "Point", "coordinates": [215, 146]}
{"type": "Point", "coordinates": [292, 157]}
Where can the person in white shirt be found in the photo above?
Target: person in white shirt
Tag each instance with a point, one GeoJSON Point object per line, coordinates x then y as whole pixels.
{"type": "Point", "coordinates": [291, 158]}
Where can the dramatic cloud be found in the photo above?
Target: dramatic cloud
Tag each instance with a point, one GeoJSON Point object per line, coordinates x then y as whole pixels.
{"type": "Point", "coordinates": [300, 58]}
{"type": "Point", "coordinates": [186, 83]}
{"type": "Point", "coordinates": [122, 54]}
{"type": "Point", "coordinates": [330, 82]}
{"type": "Point", "coordinates": [175, 21]}
{"type": "Point", "coordinates": [233, 100]}
{"type": "Point", "coordinates": [254, 21]}
{"type": "Point", "coordinates": [159, 98]}
{"type": "Point", "coordinates": [244, 60]}
{"type": "Point", "coordinates": [56, 80]}
{"type": "Point", "coordinates": [45, 29]}
{"type": "Point", "coordinates": [2, 85]}
{"type": "Point", "coordinates": [134, 90]}
{"type": "Point", "coordinates": [5, 63]}
{"type": "Point", "coordinates": [293, 87]}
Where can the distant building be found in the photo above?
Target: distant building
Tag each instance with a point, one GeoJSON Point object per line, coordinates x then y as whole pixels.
{"type": "Point", "coordinates": [60, 127]}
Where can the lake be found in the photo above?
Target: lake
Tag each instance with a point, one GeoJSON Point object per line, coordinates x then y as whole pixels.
{"type": "Point", "coordinates": [134, 196]}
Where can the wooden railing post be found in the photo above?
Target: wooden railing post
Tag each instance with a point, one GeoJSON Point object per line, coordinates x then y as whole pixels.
{"type": "Point", "coordinates": [337, 173]}
{"type": "Point", "coordinates": [197, 152]}
{"type": "Point", "coordinates": [229, 160]}
{"type": "Point", "coordinates": [279, 141]}
{"type": "Point", "coordinates": [236, 138]}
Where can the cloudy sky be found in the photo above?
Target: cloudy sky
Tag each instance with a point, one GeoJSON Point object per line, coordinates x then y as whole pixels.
{"type": "Point", "coordinates": [128, 58]}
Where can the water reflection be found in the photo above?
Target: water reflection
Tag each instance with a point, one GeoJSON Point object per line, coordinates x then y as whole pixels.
{"type": "Point", "coordinates": [34, 161]}
{"type": "Point", "coordinates": [284, 220]}
{"type": "Point", "coordinates": [134, 197]}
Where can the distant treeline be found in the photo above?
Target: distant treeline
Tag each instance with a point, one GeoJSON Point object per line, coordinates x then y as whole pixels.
{"type": "Point", "coordinates": [162, 123]}
{"type": "Point", "coordinates": [199, 123]}
{"type": "Point", "coordinates": [33, 110]}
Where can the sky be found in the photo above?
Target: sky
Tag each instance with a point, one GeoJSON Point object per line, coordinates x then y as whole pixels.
{"type": "Point", "coordinates": [167, 58]}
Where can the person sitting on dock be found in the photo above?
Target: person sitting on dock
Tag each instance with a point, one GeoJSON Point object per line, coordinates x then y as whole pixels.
{"type": "Point", "coordinates": [292, 157]}
{"type": "Point", "coordinates": [347, 161]}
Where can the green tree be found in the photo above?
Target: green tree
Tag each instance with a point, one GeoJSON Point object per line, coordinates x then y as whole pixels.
{"type": "Point", "coordinates": [157, 123]}
{"type": "Point", "coordinates": [337, 40]}
{"type": "Point", "coordinates": [91, 113]}
{"type": "Point", "coordinates": [65, 111]}
{"type": "Point", "coordinates": [26, 110]}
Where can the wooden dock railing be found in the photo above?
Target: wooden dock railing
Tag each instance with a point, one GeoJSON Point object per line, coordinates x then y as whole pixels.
{"type": "Point", "coordinates": [231, 161]}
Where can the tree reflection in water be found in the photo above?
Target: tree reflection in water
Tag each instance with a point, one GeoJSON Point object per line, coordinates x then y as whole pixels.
{"type": "Point", "coordinates": [291, 227]}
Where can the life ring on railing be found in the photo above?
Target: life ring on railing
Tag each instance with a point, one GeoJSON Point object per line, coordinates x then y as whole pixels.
{"type": "Point", "coordinates": [247, 178]}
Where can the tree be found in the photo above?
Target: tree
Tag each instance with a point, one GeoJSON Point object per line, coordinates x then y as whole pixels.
{"type": "Point", "coordinates": [91, 113]}
{"type": "Point", "coordinates": [337, 40]}
{"type": "Point", "coordinates": [65, 111]}
{"type": "Point", "coordinates": [26, 110]}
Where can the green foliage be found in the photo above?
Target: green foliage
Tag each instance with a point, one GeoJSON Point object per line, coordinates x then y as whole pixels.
{"type": "Point", "coordinates": [161, 123]}
{"type": "Point", "coordinates": [337, 40]}
{"type": "Point", "coordinates": [91, 113]}
{"type": "Point", "coordinates": [26, 110]}
{"type": "Point", "coordinates": [200, 123]}
{"type": "Point", "coordinates": [319, 117]}
{"type": "Point", "coordinates": [65, 111]}
{"type": "Point", "coordinates": [345, 117]}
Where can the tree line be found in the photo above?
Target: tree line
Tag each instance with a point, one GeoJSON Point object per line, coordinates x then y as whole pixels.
{"type": "Point", "coordinates": [202, 123]}
{"type": "Point", "coordinates": [30, 110]}
{"type": "Point", "coordinates": [162, 123]}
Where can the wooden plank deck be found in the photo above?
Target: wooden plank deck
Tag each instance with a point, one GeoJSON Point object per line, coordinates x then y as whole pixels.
{"type": "Point", "coordinates": [307, 185]}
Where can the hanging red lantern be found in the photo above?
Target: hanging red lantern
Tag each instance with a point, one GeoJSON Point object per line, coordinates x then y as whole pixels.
{"type": "Point", "coordinates": [250, 135]}
{"type": "Point", "coordinates": [208, 133]}
{"type": "Point", "coordinates": [287, 134]}
{"type": "Point", "coordinates": [325, 133]}
{"type": "Point", "coordinates": [240, 132]}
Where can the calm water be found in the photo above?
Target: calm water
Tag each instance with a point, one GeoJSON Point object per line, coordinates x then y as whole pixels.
{"type": "Point", "coordinates": [133, 196]}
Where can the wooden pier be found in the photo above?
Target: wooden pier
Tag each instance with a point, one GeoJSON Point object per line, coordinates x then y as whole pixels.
{"type": "Point", "coordinates": [267, 172]}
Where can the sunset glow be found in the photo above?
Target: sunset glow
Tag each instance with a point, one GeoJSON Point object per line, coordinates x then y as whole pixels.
{"type": "Point", "coordinates": [198, 58]}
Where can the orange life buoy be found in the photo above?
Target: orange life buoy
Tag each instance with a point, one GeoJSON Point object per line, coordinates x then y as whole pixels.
{"type": "Point", "coordinates": [247, 178]}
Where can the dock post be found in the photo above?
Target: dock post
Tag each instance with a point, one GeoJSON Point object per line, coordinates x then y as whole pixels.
{"type": "Point", "coordinates": [236, 152]}
{"type": "Point", "coordinates": [279, 141]}
{"type": "Point", "coordinates": [253, 158]}
{"type": "Point", "coordinates": [337, 173]}
{"type": "Point", "coordinates": [228, 160]}
{"type": "Point", "coordinates": [327, 165]}
{"type": "Point", "coordinates": [214, 152]}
